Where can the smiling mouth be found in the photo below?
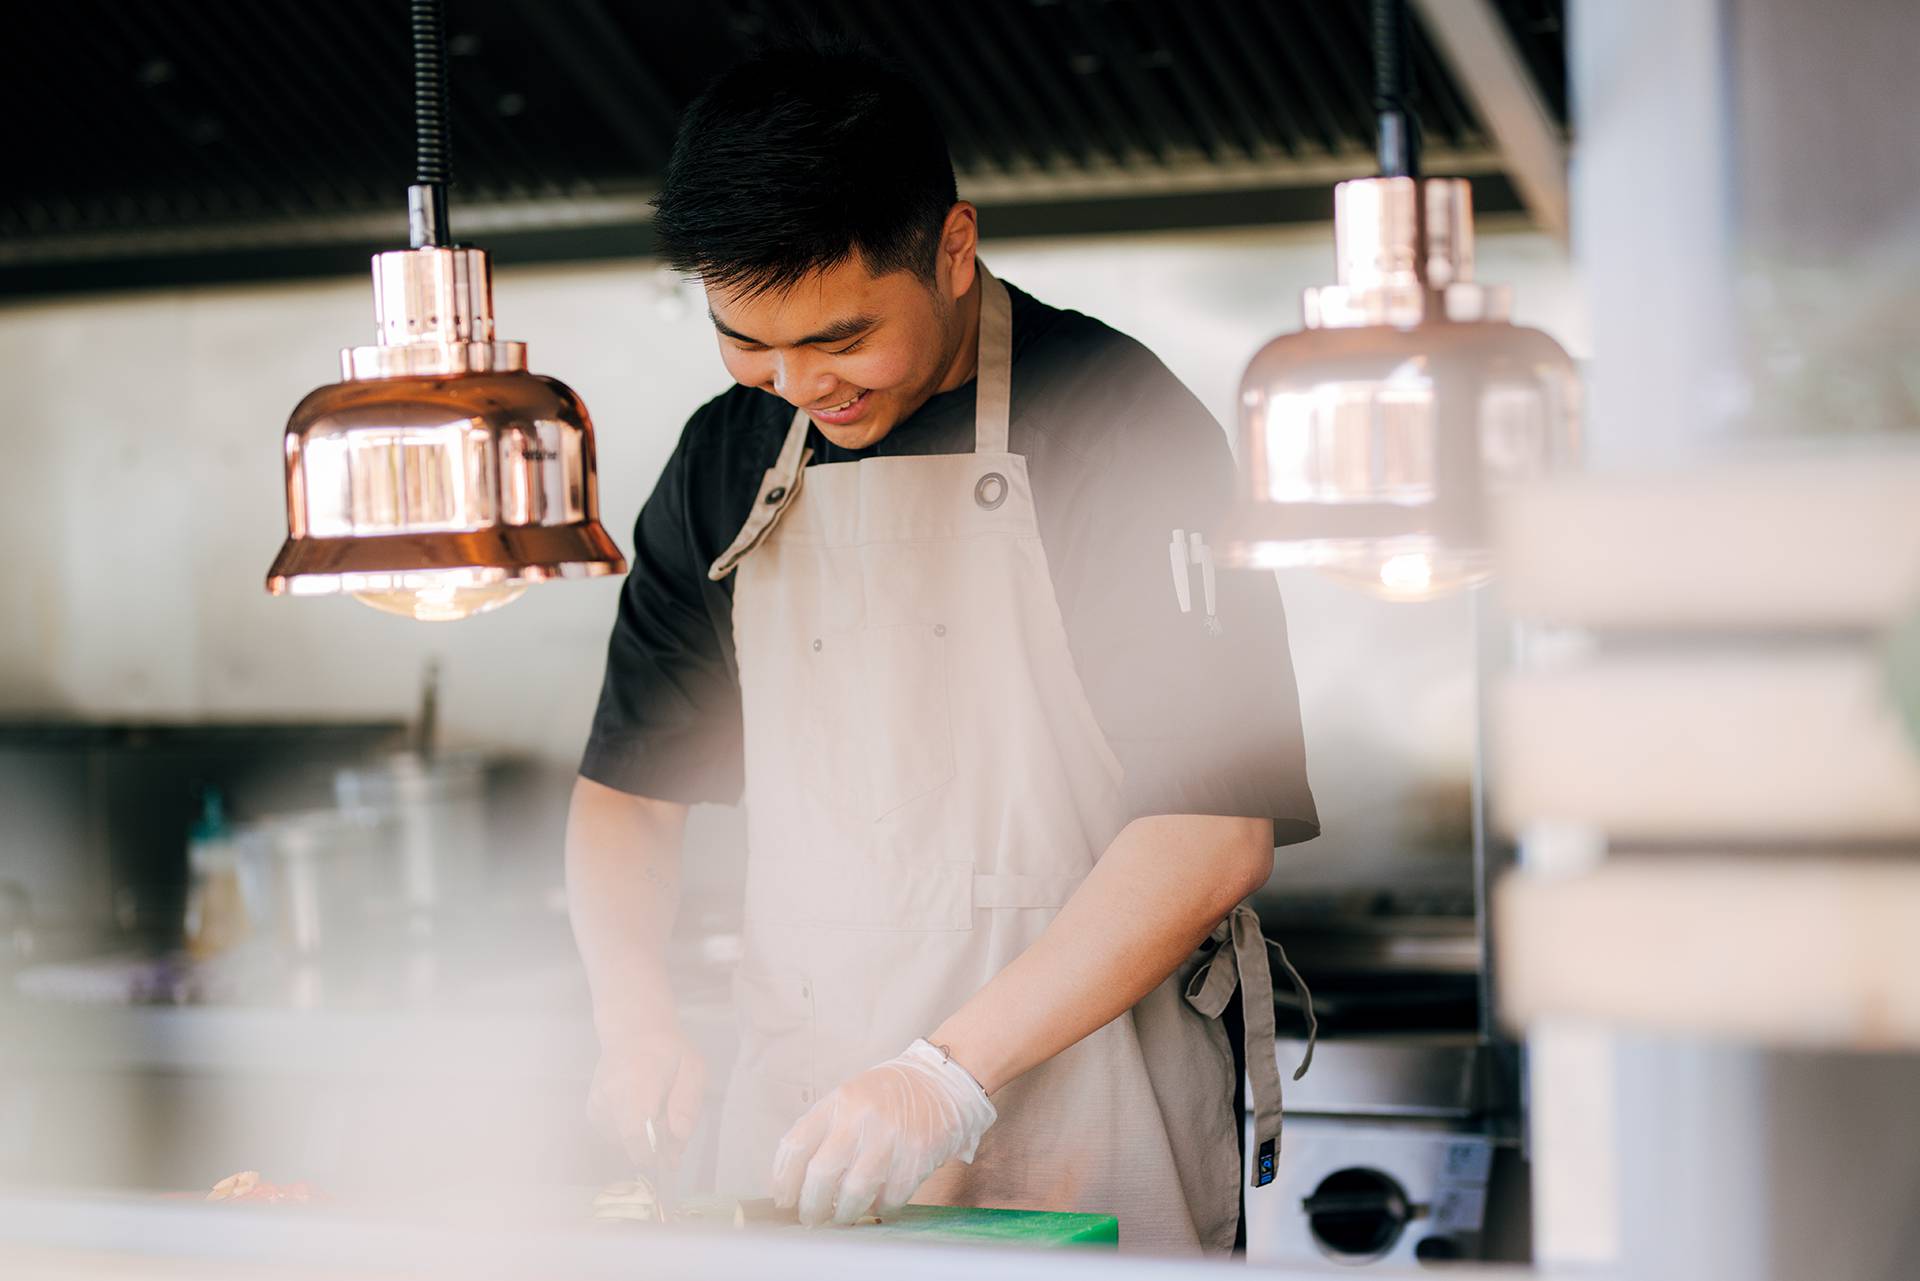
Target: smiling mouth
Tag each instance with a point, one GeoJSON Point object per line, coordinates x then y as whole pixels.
{"type": "Point", "coordinates": [843, 413]}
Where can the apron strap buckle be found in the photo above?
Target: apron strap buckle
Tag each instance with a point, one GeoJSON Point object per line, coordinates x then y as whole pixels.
{"type": "Point", "coordinates": [778, 488]}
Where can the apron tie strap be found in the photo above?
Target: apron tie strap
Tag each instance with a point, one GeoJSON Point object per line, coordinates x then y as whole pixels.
{"type": "Point", "coordinates": [1306, 1007]}
{"type": "Point", "coordinates": [1208, 993]}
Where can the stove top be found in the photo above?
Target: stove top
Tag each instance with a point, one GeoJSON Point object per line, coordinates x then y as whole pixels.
{"type": "Point", "coordinates": [1378, 960]}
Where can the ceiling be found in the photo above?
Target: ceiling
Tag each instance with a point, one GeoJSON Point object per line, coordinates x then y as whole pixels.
{"type": "Point", "coordinates": [172, 141]}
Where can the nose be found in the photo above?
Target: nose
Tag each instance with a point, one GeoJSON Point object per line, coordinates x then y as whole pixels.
{"type": "Point", "coordinates": [799, 380]}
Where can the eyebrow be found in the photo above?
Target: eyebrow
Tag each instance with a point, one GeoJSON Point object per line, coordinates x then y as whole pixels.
{"type": "Point", "coordinates": [838, 331]}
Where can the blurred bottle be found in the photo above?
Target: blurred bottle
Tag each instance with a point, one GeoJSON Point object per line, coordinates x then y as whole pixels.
{"type": "Point", "coordinates": [216, 907]}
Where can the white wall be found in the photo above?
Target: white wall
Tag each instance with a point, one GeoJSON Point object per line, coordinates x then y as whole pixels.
{"type": "Point", "coordinates": [141, 501]}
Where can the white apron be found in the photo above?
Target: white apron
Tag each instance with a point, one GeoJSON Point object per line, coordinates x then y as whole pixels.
{"type": "Point", "coordinates": [925, 786]}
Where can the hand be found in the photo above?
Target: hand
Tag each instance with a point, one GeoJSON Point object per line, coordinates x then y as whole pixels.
{"type": "Point", "coordinates": [868, 1146]}
{"type": "Point", "coordinates": [659, 1078]}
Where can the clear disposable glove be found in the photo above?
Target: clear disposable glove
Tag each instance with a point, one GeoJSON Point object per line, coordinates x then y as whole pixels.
{"type": "Point", "coordinates": [868, 1146]}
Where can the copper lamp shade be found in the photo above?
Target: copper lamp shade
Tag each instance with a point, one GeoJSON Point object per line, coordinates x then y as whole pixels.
{"type": "Point", "coordinates": [1372, 440]}
{"type": "Point", "coordinates": [439, 478]}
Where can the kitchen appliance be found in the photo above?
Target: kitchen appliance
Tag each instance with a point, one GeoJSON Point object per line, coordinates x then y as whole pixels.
{"type": "Point", "coordinates": [1366, 1193]}
{"type": "Point", "coordinates": [374, 895]}
{"type": "Point", "coordinates": [429, 838]}
{"type": "Point", "coordinates": [439, 477]}
{"type": "Point", "coordinates": [1402, 1144]}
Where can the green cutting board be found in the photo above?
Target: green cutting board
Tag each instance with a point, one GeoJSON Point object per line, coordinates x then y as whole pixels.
{"type": "Point", "coordinates": [947, 1224]}
{"type": "Point", "coordinates": [1006, 1227]}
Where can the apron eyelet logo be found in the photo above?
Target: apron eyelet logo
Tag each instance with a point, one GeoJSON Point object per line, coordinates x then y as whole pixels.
{"type": "Point", "coordinates": [775, 494]}
{"type": "Point", "coordinates": [991, 491]}
{"type": "Point", "coordinates": [816, 647]}
{"type": "Point", "coordinates": [939, 629]}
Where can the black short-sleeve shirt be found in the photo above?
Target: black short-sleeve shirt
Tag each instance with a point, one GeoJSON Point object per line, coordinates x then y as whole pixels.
{"type": "Point", "coordinates": [1120, 455]}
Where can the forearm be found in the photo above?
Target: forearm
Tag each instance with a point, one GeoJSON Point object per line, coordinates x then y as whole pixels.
{"type": "Point", "coordinates": [1154, 895]}
{"type": "Point", "coordinates": [623, 892]}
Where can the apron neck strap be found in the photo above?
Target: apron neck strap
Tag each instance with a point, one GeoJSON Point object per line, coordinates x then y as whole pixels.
{"type": "Point", "coordinates": [993, 374]}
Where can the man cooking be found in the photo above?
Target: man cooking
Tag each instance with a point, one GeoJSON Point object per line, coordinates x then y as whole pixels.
{"type": "Point", "coordinates": [906, 589]}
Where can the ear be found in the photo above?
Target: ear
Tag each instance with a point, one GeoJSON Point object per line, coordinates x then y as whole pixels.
{"type": "Point", "coordinates": [959, 238]}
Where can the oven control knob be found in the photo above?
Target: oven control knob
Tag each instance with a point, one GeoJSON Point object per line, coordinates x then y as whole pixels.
{"type": "Point", "coordinates": [1357, 1214]}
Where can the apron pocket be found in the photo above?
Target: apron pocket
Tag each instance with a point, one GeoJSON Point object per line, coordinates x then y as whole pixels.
{"type": "Point", "coordinates": [882, 716]}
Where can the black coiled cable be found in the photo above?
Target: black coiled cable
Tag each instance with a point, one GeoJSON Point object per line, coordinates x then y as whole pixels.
{"type": "Point", "coordinates": [1392, 91]}
{"type": "Point", "coordinates": [432, 158]}
{"type": "Point", "coordinates": [428, 20]}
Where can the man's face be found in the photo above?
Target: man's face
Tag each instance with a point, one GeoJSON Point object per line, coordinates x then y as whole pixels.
{"type": "Point", "coordinates": [860, 353]}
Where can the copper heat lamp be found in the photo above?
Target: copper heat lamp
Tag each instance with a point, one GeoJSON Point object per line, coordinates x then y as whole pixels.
{"type": "Point", "coordinates": [439, 477]}
{"type": "Point", "coordinates": [1372, 440]}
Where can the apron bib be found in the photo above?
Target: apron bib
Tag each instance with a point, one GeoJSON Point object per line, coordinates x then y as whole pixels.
{"type": "Point", "coordinates": [926, 785]}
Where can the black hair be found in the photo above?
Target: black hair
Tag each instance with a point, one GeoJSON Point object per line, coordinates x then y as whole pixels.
{"type": "Point", "coordinates": [798, 158]}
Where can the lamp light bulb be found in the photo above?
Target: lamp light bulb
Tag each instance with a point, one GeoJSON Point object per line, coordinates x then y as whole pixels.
{"type": "Point", "coordinates": [1401, 570]}
{"type": "Point", "coordinates": [1408, 574]}
{"type": "Point", "coordinates": [442, 598]}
